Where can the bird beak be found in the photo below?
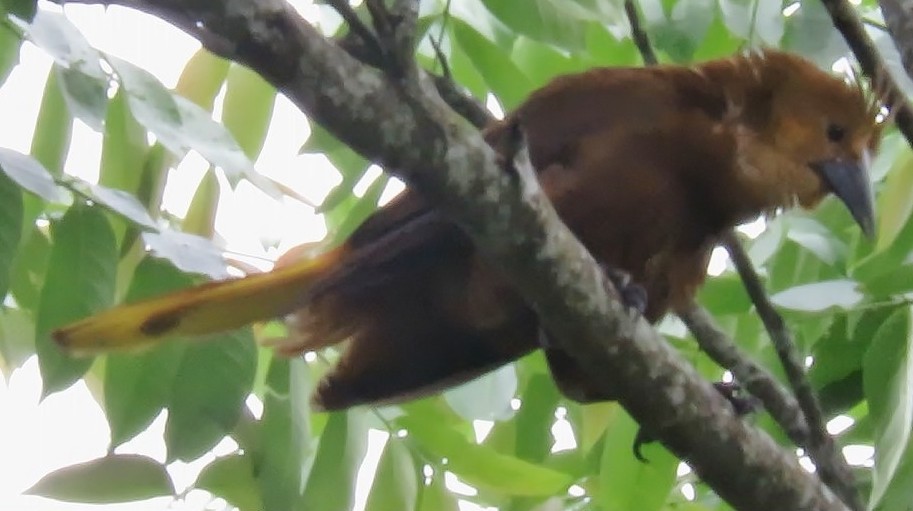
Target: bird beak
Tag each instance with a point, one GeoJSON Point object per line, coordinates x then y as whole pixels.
{"type": "Point", "coordinates": [850, 183]}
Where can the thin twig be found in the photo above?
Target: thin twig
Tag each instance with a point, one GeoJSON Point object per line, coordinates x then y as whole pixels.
{"type": "Point", "coordinates": [777, 400]}
{"type": "Point", "coordinates": [820, 445]}
{"type": "Point", "coordinates": [639, 35]}
{"type": "Point", "coordinates": [445, 17]}
{"type": "Point", "coordinates": [358, 27]}
{"type": "Point", "coordinates": [845, 19]}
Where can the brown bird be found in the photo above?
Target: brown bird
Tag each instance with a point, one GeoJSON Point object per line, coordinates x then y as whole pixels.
{"type": "Point", "coordinates": [647, 166]}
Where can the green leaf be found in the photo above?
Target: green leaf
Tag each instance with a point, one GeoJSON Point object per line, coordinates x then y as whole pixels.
{"type": "Point", "coordinates": [888, 387]}
{"type": "Point", "coordinates": [202, 78]}
{"type": "Point", "coordinates": [820, 296]}
{"type": "Point", "coordinates": [232, 478]}
{"type": "Point", "coordinates": [123, 203]}
{"type": "Point", "coordinates": [895, 202]}
{"type": "Point", "coordinates": [436, 497]}
{"type": "Point", "coordinates": [487, 397]}
{"type": "Point", "coordinates": [684, 30]}
{"type": "Point", "coordinates": [213, 141]}
{"type": "Point", "coordinates": [395, 485]}
{"type": "Point", "coordinates": [53, 127]}
{"type": "Point", "coordinates": [331, 484]}
{"type": "Point", "coordinates": [535, 419]}
{"type": "Point", "coordinates": [9, 53]}
{"type": "Point", "coordinates": [152, 105]}
{"type": "Point", "coordinates": [82, 80]}
{"type": "Point", "coordinates": [247, 108]}
{"type": "Point", "coordinates": [542, 62]}
{"type": "Point", "coordinates": [724, 294]}
{"type": "Point", "coordinates": [85, 95]}
{"type": "Point", "coordinates": [551, 21]}
{"type": "Point", "coordinates": [11, 214]}
{"type": "Point", "coordinates": [30, 175]}
{"type": "Point", "coordinates": [201, 215]}
{"type": "Point", "coordinates": [504, 78]}
{"type": "Point", "coordinates": [210, 387]}
{"type": "Point", "coordinates": [29, 267]}
{"type": "Point", "coordinates": [109, 480]}
{"type": "Point", "coordinates": [138, 386]}
{"type": "Point", "coordinates": [24, 9]}
{"type": "Point", "coordinates": [352, 212]}
{"type": "Point", "coordinates": [810, 32]}
{"type": "Point", "coordinates": [190, 253]}
{"type": "Point", "coordinates": [123, 149]}
{"type": "Point", "coordinates": [17, 334]}
{"type": "Point", "coordinates": [285, 447]}
{"type": "Point", "coordinates": [80, 281]}
{"type": "Point", "coordinates": [627, 483]}
{"type": "Point", "coordinates": [481, 466]}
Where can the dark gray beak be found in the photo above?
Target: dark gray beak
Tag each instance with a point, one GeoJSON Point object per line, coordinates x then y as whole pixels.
{"type": "Point", "coordinates": [850, 183]}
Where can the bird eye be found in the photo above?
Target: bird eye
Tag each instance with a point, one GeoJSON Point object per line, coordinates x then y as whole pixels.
{"type": "Point", "coordinates": [835, 132]}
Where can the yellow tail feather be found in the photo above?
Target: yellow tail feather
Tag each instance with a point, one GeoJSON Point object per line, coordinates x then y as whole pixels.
{"type": "Point", "coordinates": [208, 308]}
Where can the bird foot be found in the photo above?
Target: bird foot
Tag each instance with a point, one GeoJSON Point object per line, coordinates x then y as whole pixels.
{"type": "Point", "coordinates": [742, 403]}
{"type": "Point", "coordinates": [633, 295]}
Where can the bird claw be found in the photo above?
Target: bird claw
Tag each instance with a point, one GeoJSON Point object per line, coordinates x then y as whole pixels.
{"type": "Point", "coordinates": [742, 404]}
{"type": "Point", "coordinates": [632, 294]}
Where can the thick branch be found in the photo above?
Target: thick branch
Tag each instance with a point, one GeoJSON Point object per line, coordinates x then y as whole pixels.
{"type": "Point", "coordinates": [405, 126]}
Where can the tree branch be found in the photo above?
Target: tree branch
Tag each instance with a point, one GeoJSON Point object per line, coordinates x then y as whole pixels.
{"type": "Point", "coordinates": [818, 443]}
{"type": "Point", "coordinates": [357, 27]}
{"type": "Point", "coordinates": [781, 405]}
{"type": "Point", "coordinates": [898, 16]}
{"type": "Point", "coordinates": [639, 35]}
{"type": "Point", "coordinates": [405, 126]}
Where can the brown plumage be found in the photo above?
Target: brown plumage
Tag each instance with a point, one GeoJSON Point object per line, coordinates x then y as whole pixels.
{"type": "Point", "coordinates": [647, 166]}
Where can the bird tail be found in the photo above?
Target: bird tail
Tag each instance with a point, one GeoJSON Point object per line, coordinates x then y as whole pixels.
{"type": "Point", "coordinates": [209, 308]}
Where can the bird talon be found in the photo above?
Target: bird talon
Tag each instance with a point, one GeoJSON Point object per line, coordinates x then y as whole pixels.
{"type": "Point", "coordinates": [632, 294]}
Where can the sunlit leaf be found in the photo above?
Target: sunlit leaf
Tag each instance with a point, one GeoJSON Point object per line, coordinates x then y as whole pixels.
{"type": "Point", "coordinates": [285, 435]}
{"type": "Point", "coordinates": [626, 482]}
{"type": "Point", "coordinates": [232, 478]}
{"type": "Point", "coordinates": [109, 480]}
{"type": "Point", "coordinates": [481, 466]}
{"type": "Point", "coordinates": [819, 296]}
{"type": "Point", "coordinates": [123, 149]}
{"type": "Point", "coordinates": [190, 253]}
{"type": "Point", "coordinates": [30, 175]}
{"type": "Point", "coordinates": [331, 484]}
{"type": "Point", "coordinates": [247, 108]}
{"type": "Point", "coordinates": [82, 80]}
{"type": "Point", "coordinates": [487, 397]}
{"type": "Point", "coordinates": [888, 386]}
{"type": "Point", "coordinates": [396, 482]}
{"type": "Point", "coordinates": [503, 77]}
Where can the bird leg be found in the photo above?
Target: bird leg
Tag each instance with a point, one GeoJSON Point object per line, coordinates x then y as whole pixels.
{"type": "Point", "coordinates": [741, 402]}
{"type": "Point", "coordinates": [632, 294]}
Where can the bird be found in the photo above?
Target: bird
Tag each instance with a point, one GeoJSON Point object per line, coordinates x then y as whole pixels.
{"type": "Point", "coordinates": [647, 166]}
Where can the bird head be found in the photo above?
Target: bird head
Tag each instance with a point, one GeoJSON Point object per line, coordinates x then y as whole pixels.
{"type": "Point", "coordinates": [804, 133]}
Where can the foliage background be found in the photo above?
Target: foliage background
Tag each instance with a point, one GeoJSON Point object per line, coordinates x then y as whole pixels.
{"type": "Point", "coordinates": [70, 246]}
